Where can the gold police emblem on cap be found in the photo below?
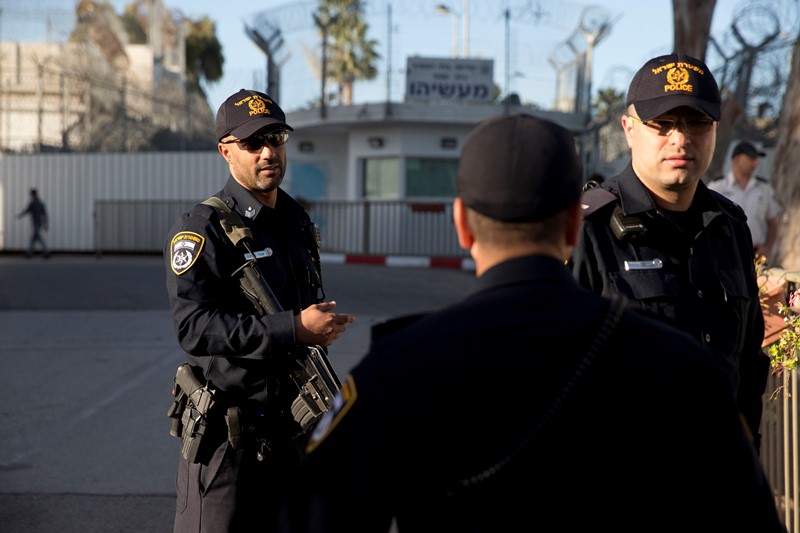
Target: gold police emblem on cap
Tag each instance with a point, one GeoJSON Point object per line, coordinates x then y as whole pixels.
{"type": "Point", "coordinates": [184, 250]}
{"type": "Point", "coordinates": [677, 76]}
{"type": "Point", "coordinates": [257, 106]}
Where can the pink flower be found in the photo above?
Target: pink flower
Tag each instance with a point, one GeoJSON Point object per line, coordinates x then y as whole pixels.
{"type": "Point", "coordinates": [794, 298]}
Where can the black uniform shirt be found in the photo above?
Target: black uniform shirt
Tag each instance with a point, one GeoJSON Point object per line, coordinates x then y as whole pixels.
{"type": "Point", "coordinates": [218, 327]}
{"type": "Point", "coordinates": [693, 270]}
{"type": "Point", "coordinates": [462, 389]}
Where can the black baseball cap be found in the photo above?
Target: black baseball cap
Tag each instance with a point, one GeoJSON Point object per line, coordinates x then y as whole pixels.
{"type": "Point", "coordinates": [748, 149]}
{"type": "Point", "coordinates": [671, 81]}
{"type": "Point", "coordinates": [246, 112]}
{"type": "Point", "coordinates": [519, 168]}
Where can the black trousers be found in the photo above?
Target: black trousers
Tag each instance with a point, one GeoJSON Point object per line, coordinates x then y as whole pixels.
{"type": "Point", "coordinates": [235, 492]}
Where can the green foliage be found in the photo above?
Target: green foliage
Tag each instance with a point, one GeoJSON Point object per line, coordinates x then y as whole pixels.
{"type": "Point", "coordinates": [132, 21]}
{"type": "Point", "coordinates": [784, 353]}
{"type": "Point", "coordinates": [204, 57]}
{"type": "Point", "coordinates": [607, 100]}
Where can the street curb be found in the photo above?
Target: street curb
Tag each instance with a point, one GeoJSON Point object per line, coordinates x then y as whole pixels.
{"type": "Point", "coordinates": [400, 261]}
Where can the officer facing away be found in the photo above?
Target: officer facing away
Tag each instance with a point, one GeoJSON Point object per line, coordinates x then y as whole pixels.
{"type": "Point", "coordinates": [521, 404]}
{"type": "Point", "coordinates": [248, 449]}
{"type": "Point", "coordinates": [658, 236]}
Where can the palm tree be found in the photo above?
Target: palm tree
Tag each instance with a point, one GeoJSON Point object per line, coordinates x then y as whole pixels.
{"type": "Point", "coordinates": [350, 55]}
{"type": "Point", "coordinates": [204, 57]}
{"type": "Point", "coordinates": [608, 100]}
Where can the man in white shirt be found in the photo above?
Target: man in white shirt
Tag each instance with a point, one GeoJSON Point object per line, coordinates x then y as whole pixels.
{"type": "Point", "coordinates": [754, 194]}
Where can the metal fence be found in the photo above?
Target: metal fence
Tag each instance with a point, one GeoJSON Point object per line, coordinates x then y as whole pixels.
{"type": "Point", "coordinates": [779, 447]}
{"type": "Point", "coordinates": [392, 227]}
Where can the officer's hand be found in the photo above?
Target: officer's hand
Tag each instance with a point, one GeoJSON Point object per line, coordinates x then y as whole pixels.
{"type": "Point", "coordinates": [318, 324]}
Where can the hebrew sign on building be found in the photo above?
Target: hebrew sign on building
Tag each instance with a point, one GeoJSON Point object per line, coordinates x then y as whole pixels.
{"type": "Point", "coordinates": [461, 80]}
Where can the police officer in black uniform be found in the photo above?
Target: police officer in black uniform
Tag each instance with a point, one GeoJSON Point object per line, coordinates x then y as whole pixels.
{"type": "Point", "coordinates": [242, 355]}
{"type": "Point", "coordinates": [657, 235]}
{"type": "Point", "coordinates": [533, 403]}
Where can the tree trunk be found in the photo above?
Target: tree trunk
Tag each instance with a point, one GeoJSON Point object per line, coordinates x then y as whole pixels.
{"type": "Point", "coordinates": [786, 171]}
{"type": "Point", "coordinates": [347, 92]}
{"type": "Point", "coordinates": [692, 26]}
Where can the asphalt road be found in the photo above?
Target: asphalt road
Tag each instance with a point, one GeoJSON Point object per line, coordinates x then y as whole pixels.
{"type": "Point", "coordinates": [88, 355]}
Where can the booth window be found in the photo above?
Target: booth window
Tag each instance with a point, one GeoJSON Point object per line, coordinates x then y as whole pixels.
{"type": "Point", "coordinates": [431, 178]}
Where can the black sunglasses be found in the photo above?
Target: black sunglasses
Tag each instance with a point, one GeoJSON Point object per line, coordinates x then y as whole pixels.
{"type": "Point", "coordinates": [258, 140]}
{"type": "Point", "coordinates": [665, 126]}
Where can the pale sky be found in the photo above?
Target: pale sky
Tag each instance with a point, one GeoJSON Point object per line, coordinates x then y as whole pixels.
{"type": "Point", "coordinates": [537, 34]}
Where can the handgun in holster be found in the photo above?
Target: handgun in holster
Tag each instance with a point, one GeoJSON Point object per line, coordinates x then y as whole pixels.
{"type": "Point", "coordinates": [190, 414]}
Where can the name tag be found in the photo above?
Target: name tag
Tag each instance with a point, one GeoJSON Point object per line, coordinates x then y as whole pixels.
{"type": "Point", "coordinates": [654, 264]}
{"type": "Point", "coordinates": [260, 254]}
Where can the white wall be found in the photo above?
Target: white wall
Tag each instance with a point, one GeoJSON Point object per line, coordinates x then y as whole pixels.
{"type": "Point", "coordinates": [69, 184]}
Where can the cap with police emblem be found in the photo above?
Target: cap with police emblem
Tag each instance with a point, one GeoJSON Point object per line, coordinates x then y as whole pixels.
{"type": "Point", "coordinates": [246, 112]}
{"type": "Point", "coordinates": [519, 168]}
{"type": "Point", "coordinates": [671, 81]}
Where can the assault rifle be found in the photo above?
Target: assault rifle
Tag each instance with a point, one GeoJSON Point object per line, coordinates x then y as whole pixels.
{"type": "Point", "coordinates": [312, 373]}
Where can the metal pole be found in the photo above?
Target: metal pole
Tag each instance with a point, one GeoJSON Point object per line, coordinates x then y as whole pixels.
{"type": "Point", "coordinates": [389, 60]}
{"type": "Point", "coordinates": [324, 72]}
{"type": "Point", "coordinates": [2, 59]}
{"type": "Point", "coordinates": [508, 55]}
{"type": "Point", "coordinates": [454, 53]}
{"type": "Point", "coordinates": [465, 30]}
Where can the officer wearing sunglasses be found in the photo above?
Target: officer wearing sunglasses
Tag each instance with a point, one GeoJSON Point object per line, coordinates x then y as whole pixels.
{"type": "Point", "coordinates": [657, 235]}
{"type": "Point", "coordinates": [251, 452]}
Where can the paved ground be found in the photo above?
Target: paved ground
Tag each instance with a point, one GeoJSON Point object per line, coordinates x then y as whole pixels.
{"type": "Point", "coordinates": [88, 354]}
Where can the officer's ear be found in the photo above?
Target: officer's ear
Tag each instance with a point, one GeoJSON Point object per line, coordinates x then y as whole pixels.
{"type": "Point", "coordinates": [465, 236]}
{"type": "Point", "coordinates": [225, 151]}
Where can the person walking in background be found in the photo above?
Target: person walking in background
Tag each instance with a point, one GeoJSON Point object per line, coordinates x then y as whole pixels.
{"type": "Point", "coordinates": [753, 194]}
{"type": "Point", "coordinates": [658, 236]}
{"type": "Point", "coordinates": [39, 223]}
{"type": "Point", "coordinates": [521, 405]}
{"type": "Point", "coordinates": [252, 445]}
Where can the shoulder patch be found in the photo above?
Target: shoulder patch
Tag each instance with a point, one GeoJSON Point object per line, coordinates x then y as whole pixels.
{"type": "Point", "coordinates": [342, 403]}
{"type": "Point", "coordinates": [595, 198]}
{"type": "Point", "coordinates": [184, 250]}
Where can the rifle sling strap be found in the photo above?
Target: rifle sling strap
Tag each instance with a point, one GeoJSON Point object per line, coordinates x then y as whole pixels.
{"type": "Point", "coordinates": [613, 314]}
{"type": "Point", "coordinates": [231, 222]}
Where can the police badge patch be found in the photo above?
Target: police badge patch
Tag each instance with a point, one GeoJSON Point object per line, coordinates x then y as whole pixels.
{"type": "Point", "coordinates": [184, 250]}
{"type": "Point", "coordinates": [342, 403]}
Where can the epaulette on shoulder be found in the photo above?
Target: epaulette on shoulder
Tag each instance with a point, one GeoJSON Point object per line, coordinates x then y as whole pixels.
{"type": "Point", "coordinates": [762, 179]}
{"type": "Point", "coordinates": [729, 206]}
{"type": "Point", "coordinates": [595, 198]}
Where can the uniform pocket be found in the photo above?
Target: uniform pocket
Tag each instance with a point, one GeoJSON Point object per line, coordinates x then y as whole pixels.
{"type": "Point", "coordinates": [645, 284]}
